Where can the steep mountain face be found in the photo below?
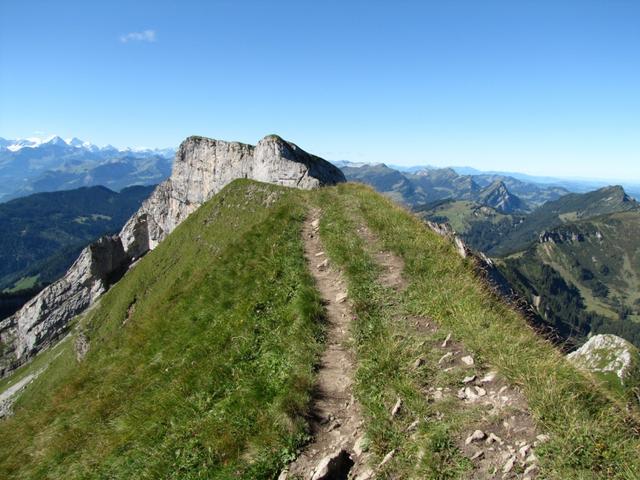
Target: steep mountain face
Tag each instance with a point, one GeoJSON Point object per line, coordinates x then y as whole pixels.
{"type": "Point", "coordinates": [499, 197]}
{"type": "Point", "coordinates": [43, 233]}
{"type": "Point", "coordinates": [585, 274]}
{"type": "Point", "coordinates": [202, 167]}
{"type": "Point", "coordinates": [33, 165]}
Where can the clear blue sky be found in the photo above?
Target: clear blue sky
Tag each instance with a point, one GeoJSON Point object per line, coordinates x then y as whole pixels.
{"type": "Point", "coordinates": [544, 87]}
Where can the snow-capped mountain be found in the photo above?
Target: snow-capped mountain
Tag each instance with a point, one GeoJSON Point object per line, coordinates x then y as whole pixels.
{"type": "Point", "coordinates": [37, 164]}
{"type": "Point", "coordinates": [75, 142]}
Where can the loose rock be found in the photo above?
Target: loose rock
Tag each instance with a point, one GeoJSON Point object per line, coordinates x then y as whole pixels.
{"type": "Point", "coordinates": [386, 458]}
{"type": "Point", "coordinates": [469, 379]}
{"type": "Point", "coordinates": [446, 356]}
{"type": "Point", "coordinates": [477, 435]}
{"type": "Point", "coordinates": [509, 465]}
{"type": "Point", "coordinates": [396, 408]}
{"type": "Point", "coordinates": [335, 465]}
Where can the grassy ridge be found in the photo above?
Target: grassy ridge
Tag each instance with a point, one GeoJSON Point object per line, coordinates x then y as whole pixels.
{"type": "Point", "coordinates": [201, 358]}
{"type": "Point", "coordinates": [590, 438]}
{"type": "Point", "coordinates": [387, 345]}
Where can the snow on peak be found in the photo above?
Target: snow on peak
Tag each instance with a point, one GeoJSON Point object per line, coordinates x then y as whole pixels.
{"type": "Point", "coordinates": [75, 142]}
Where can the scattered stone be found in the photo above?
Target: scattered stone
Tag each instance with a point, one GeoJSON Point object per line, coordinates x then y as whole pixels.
{"type": "Point", "coordinates": [531, 469]}
{"type": "Point", "coordinates": [446, 356]}
{"type": "Point", "coordinates": [335, 465]}
{"type": "Point", "coordinates": [438, 395]}
{"type": "Point", "coordinates": [386, 458]}
{"type": "Point", "coordinates": [81, 346]}
{"type": "Point", "coordinates": [334, 425]}
{"type": "Point", "coordinates": [542, 438]}
{"type": "Point", "coordinates": [446, 341]}
{"type": "Point", "coordinates": [341, 297]}
{"type": "Point", "coordinates": [461, 395]}
{"type": "Point", "coordinates": [494, 438]}
{"type": "Point", "coordinates": [396, 408]}
{"type": "Point", "coordinates": [413, 425]}
{"type": "Point", "coordinates": [316, 223]}
{"type": "Point", "coordinates": [283, 474]}
{"type": "Point", "coordinates": [360, 446]}
{"type": "Point", "coordinates": [489, 377]}
{"type": "Point", "coordinates": [323, 266]}
{"type": "Point", "coordinates": [469, 379]}
{"type": "Point", "coordinates": [477, 455]}
{"type": "Point", "coordinates": [418, 363]}
{"type": "Point", "coordinates": [468, 360]}
{"type": "Point", "coordinates": [509, 465]}
{"type": "Point", "coordinates": [481, 392]}
{"type": "Point", "coordinates": [470, 394]}
{"type": "Point", "coordinates": [531, 458]}
{"type": "Point", "coordinates": [477, 435]}
{"type": "Point", "coordinates": [319, 254]}
{"type": "Point", "coordinates": [523, 451]}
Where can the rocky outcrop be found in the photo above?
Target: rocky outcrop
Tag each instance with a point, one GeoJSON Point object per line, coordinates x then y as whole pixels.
{"type": "Point", "coordinates": [570, 234]}
{"type": "Point", "coordinates": [607, 354]}
{"type": "Point", "coordinates": [202, 167]}
{"type": "Point", "coordinates": [45, 317]}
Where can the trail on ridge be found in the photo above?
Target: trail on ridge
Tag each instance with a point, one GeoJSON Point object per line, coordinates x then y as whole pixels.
{"type": "Point", "coordinates": [335, 417]}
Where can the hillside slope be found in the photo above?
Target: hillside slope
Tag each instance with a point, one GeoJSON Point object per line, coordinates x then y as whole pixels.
{"type": "Point", "coordinates": [583, 276]}
{"type": "Point", "coordinates": [567, 209]}
{"type": "Point", "coordinates": [43, 233]}
{"type": "Point", "coordinates": [200, 362]}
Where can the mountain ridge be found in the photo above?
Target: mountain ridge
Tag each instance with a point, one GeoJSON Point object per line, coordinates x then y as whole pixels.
{"type": "Point", "coordinates": [202, 167]}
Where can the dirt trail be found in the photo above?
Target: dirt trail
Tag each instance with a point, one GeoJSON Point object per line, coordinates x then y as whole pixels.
{"type": "Point", "coordinates": [335, 418]}
{"type": "Point", "coordinates": [502, 442]}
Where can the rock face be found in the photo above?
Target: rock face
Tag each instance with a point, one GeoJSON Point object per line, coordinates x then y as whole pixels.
{"type": "Point", "coordinates": [202, 167]}
{"type": "Point", "coordinates": [607, 354]}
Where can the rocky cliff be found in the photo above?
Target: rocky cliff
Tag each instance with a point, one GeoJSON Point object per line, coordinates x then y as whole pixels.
{"type": "Point", "coordinates": [202, 167]}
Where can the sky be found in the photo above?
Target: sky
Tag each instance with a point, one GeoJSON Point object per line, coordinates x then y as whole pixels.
{"type": "Point", "coordinates": [542, 87]}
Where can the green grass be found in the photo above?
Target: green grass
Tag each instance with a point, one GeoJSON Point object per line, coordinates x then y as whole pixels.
{"type": "Point", "coordinates": [202, 357]}
{"type": "Point", "coordinates": [592, 435]}
{"type": "Point", "coordinates": [386, 347]}
{"type": "Point", "coordinates": [210, 374]}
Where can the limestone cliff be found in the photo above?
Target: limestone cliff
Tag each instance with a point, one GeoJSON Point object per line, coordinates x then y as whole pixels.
{"type": "Point", "coordinates": [202, 167]}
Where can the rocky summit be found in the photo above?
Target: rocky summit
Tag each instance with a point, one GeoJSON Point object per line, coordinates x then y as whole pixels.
{"type": "Point", "coordinates": [202, 167]}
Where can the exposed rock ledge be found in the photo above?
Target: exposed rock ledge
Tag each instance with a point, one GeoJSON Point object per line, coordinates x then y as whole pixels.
{"type": "Point", "coordinates": [606, 353]}
{"type": "Point", "coordinates": [202, 167]}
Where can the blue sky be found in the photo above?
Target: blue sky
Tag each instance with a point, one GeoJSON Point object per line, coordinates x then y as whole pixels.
{"type": "Point", "coordinates": [544, 87]}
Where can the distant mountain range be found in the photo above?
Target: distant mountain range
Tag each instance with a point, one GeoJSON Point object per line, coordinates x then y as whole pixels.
{"type": "Point", "coordinates": [425, 185]}
{"type": "Point", "coordinates": [576, 259]}
{"type": "Point", "coordinates": [34, 165]}
{"type": "Point", "coordinates": [573, 184]}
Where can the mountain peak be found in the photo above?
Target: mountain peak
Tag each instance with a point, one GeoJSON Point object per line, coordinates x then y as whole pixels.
{"type": "Point", "coordinates": [498, 196]}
